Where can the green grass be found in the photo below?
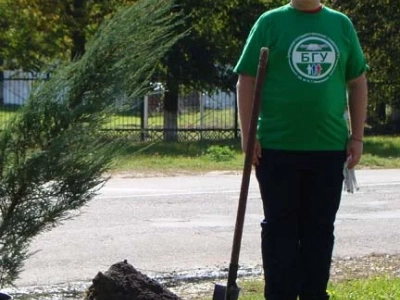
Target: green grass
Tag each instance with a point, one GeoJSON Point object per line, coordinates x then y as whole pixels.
{"type": "Point", "coordinates": [181, 157]}
{"type": "Point", "coordinates": [209, 119]}
{"type": "Point", "coordinates": [379, 152]}
{"type": "Point", "coordinates": [379, 288]}
{"type": "Point", "coordinates": [376, 288]}
{"type": "Point", "coordinates": [6, 113]}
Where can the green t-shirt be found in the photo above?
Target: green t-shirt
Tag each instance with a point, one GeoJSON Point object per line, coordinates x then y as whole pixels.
{"type": "Point", "coordinates": [312, 57]}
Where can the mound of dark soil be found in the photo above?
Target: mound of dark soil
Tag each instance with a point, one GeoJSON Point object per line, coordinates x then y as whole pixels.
{"type": "Point", "coordinates": [123, 282]}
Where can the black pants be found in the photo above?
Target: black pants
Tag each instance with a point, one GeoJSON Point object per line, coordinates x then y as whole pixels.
{"type": "Point", "coordinates": [301, 194]}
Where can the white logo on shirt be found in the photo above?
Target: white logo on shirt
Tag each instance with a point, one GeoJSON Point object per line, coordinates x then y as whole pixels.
{"type": "Point", "coordinates": [313, 57]}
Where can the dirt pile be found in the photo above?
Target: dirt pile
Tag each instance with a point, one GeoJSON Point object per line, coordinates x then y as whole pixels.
{"type": "Point", "coordinates": [123, 282]}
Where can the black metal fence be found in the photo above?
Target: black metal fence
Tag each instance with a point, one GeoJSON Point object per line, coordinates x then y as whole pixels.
{"type": "Point", "coordinates": [200, 116]}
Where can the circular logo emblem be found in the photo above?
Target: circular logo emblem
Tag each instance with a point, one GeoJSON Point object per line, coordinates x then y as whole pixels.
{"type": "Point", "coordinates": [313, 57]}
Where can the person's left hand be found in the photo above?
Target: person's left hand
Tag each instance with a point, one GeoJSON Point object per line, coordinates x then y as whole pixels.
{"type": "Point", "coordinates": [354, 152]}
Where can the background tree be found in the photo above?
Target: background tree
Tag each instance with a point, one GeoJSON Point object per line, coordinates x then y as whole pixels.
{"type": "Point", "coordinates": [378, 23]}
{"type": "Point", "coordinates": [204, 58]}
{"type": "Point", "coordinates": [52, 157]}
{"type": "Point", "coordinates": [38, 32]}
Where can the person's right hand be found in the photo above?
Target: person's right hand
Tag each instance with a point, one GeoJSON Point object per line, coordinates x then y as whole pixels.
{"type": "Point", "coordinates": [256, 153]}
{"type": "Point", "coordinates": [354, 152]}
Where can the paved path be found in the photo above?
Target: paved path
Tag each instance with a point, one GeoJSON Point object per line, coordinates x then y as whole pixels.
{"type": "Point", "coordinates": [178, 224]}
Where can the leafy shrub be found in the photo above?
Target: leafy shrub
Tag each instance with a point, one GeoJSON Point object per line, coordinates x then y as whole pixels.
{"type": "Point", "coordinates": [220, 153]}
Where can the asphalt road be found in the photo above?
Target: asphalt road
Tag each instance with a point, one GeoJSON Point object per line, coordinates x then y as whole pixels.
{"type": "Point", "coordinates": [185, 224]}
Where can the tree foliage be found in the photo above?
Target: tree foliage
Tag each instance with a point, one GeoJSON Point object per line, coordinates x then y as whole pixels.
{"type": "Point", "coordinates": [203, 60]}
{"type": "Point", "coordinates": [52, 158]}
{"type": "Point", "coordinates": [377, 23]}
{"type": "Point", "coordinates": [38, 32]}
{"type": "Point", "coordinates": [217, 31]}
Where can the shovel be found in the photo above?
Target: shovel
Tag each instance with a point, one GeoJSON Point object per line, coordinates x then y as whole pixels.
{"type": "Point", "coordinates": [231, 291]}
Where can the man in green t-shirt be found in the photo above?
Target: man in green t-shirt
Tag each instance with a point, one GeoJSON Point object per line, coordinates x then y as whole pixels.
{"type": "Point", "coordinates": [316, 70]}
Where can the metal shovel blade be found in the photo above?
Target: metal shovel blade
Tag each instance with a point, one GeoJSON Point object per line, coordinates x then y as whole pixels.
{"type": "Point", "coordinates": [222, 293]}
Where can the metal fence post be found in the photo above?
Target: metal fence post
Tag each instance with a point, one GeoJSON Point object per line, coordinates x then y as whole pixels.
{"type": "Point", "coordinates": [201, 103]}
{"type": "Point", "coordinates": [144, 118]}
{"type": "Point", "coordinates": [236, 117]}
{"type": "Point", "coordinates": [1, 87]}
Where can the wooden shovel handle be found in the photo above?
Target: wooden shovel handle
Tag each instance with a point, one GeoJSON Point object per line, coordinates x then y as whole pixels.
{"type": "Point", "coordinates": [237, 238]}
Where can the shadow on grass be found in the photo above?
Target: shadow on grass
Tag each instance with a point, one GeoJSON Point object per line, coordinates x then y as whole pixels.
{"type": "Point", "coordinates": [384, 147]}
{"type": "Point", "coordinates": [179, 149]}
{"type": "Point", "coordinates": [9, 107]}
